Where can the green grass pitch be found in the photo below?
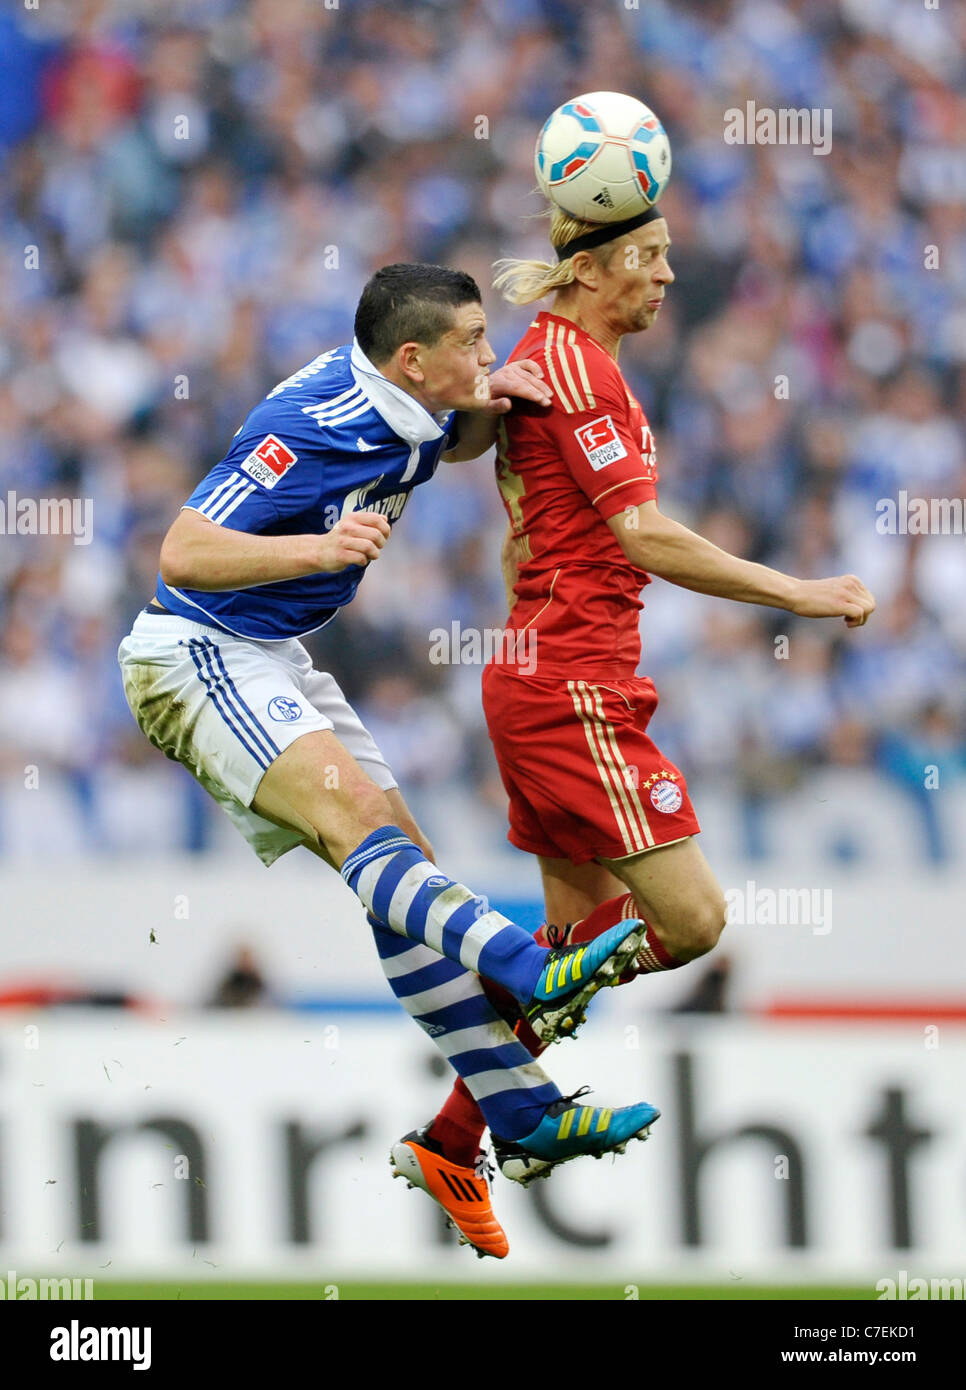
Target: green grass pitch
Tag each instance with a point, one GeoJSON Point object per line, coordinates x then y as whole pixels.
{"type": "Point", "coordinates": [379, 1292]}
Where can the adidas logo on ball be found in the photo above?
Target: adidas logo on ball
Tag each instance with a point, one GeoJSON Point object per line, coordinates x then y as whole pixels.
{"type": "Point", "coordinates": [604, 199]}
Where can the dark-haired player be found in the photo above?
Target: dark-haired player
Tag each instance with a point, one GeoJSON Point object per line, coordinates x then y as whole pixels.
{"type": "Point", "coordinates": [271, 544]}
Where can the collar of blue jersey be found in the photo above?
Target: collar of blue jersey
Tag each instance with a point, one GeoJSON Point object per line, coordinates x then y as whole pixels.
{"type": "Point", "coordinates": [401, 412]}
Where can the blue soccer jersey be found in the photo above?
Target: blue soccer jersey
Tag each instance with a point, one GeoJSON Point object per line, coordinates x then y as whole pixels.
{"type": "Point", "coordinates": [337, 437]}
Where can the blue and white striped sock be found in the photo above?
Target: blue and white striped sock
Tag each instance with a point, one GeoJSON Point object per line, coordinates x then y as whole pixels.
{"type": "Point", "coordinates": [448, 1002]}
{"type": "Point", "coordinates": [401, 887]}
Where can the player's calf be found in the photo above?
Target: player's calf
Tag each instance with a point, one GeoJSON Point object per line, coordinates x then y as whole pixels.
{"type": "Point", "coordinates": [654, 955]}
{"type": "Point", "coordinates": [677, 894]}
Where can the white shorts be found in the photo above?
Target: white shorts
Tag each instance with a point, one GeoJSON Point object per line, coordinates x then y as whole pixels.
{"type": "Point", "coordinates": [226, 707]}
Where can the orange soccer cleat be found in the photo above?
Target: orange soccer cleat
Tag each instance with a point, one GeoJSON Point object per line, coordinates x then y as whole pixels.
{"type": "Point", "coordinates": [461, 1192]}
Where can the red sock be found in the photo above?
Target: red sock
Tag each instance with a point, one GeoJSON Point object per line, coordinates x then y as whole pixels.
{"type": "Point", "coordinates": [591, 926]}
{"type": "Point", "coordinates": [652, 955]}
{"type": "Point", "coordinates": [459, 1126]}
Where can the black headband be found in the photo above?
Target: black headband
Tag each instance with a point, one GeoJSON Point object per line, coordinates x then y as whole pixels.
{"type": "Point", "coordinates": [608, 232]}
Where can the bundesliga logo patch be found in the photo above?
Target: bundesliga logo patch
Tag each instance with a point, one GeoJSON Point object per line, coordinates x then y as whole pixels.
{"type": "Point", "coordinates": [269, 462]}
{"type": "Point", "coordinates": [666, 797]}
{"type": "Point", "coordinates": [600, 442]}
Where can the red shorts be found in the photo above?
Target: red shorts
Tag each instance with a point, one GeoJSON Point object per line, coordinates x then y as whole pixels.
{"type": "Point", "coordinates": [584, 780]}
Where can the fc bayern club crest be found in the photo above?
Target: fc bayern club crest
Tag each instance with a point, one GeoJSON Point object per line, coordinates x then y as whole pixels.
{"type": "Point", "coordinates": [666, 797]}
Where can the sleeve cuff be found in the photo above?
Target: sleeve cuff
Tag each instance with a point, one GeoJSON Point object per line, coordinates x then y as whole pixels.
{"type": "Point", "coordinates": [631, 492]}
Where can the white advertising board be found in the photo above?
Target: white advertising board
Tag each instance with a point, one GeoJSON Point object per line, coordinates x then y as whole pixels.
{"type": "Point", "coordinates": [256, 1143]}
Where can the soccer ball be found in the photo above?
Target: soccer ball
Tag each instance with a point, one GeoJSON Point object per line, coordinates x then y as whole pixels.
{"type": "Point", "coordinates": [603, 157]}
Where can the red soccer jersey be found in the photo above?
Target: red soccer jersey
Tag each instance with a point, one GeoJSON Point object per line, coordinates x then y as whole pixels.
{"type": "Point", "coordinates": [563, 470]}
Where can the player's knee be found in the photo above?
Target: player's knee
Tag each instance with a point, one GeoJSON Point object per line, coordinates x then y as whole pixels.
{"type": "Point", "coordinates": [708, 923]}
{"type": "Point", "coordinates": [696, 929]}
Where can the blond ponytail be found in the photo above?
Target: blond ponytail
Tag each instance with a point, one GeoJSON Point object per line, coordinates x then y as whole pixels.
{"type": "Point", "coordinates": [524, 281]}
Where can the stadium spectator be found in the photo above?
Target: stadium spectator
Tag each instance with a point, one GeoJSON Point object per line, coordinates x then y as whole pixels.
{"type": "Point", "coordinates": [200, 198]}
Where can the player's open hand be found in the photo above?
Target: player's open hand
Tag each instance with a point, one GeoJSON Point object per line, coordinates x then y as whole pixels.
{"type": "Point", "coordinates": [843, 597]}
{"type": "Point", "coordinates": [355, 540]}
{"type": "Point", "coordinates": [523, 379]}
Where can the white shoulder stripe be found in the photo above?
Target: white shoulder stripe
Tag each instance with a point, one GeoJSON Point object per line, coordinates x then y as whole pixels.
{"type": "Point", "coordinates": [221, 494]}
{"type": "Point", "coordinates": [578, 353]}
{"type": "Point", "coordinates": [213, 496]}
{"type": "Point", "coordinates": [551, 368]}
{"type": "Point", "coordinates": [564, 359]}
{"type": "Point", "coordinates": [236, 501]}
{"type": "Point", "coordinates": [325, 411]}
{"type": "Point", "coordinates": [335, 402]}
{"type": "Point", "coordinates": [350, 414]}
{"type": "Point", "coordinates": [217, 512]}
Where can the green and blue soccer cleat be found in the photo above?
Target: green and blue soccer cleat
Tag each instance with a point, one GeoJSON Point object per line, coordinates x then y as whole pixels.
{"type": "Point", "coordinates": [570, 1131]}
{"type": "Point", "coordinates": [574, 974]}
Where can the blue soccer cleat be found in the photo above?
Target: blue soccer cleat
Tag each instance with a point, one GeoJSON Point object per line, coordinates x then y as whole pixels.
{"type": "Point", "coordinates": [572, 975]}
{"type": "Point", "coordinates": [569, 1131]}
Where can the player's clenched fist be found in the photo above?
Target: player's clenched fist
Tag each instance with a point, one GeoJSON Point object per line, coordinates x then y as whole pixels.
{"type": "Point", "coordinates": [355, 540]}
{"type": "Point", "coordinates": [843, 597]}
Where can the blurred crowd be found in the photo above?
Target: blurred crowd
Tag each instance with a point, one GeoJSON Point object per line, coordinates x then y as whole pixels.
{"type": "Point", "coordinates": [193, 195]}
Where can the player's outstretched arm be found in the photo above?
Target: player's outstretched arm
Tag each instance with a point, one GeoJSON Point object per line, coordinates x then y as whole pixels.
{"type": "Point", "coordinates": [664, 547]}
{"type": "Point", "coordinates": [477, 428]}
{"type": "Point", "coordinates": [199, 554]}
